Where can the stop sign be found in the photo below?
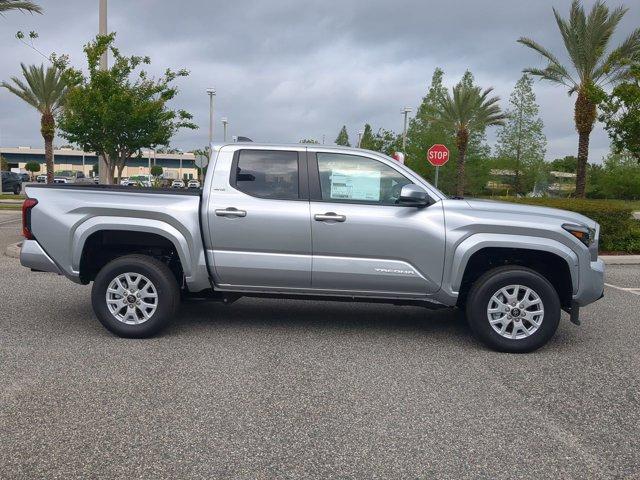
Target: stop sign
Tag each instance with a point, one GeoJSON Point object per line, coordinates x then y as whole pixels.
{"type": "Point", "coordinates": [438, 155]}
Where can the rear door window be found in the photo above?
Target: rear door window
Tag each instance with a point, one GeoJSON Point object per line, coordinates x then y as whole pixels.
{"type": "Point", "coordinates": [272, 174]}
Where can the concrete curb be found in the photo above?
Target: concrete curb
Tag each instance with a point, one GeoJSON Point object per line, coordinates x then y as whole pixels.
{"type": "Point", "coordinates": [13, 250]}
{"type": "Point", "coordinates": [621, 259]}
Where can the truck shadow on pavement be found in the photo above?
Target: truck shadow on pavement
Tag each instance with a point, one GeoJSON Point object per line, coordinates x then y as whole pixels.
{"type": "Point", "coordinates": [296, 314]}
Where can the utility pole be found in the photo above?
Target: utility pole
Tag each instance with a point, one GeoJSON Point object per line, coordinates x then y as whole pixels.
{"type": "Point", "coordinates": [360, 133]}
{"type": "Point", "coordinates": [405, 111]}
{"type": "Point", "coordinates": [102, 164]}
{"type": "Point", "coordinates": [212, 93]}
{"type": "Point", "coordinates": [225, 122]}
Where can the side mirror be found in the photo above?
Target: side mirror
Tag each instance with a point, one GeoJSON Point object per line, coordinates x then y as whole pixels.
{"type": "Point", "coordinates": [413, 196]}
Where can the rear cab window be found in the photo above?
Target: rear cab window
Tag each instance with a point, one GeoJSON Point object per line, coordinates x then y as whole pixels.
{"type": "Point", "coordinates": [269, 174]}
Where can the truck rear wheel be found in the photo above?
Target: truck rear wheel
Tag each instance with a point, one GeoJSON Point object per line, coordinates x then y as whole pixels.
{"type": "Point", "coordinates": [513, 309]}
{"type": "Point", "coordinates": [135, 296]}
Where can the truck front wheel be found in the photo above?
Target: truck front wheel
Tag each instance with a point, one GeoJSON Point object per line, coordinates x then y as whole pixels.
{"type": "Point", "coordinates": [513, 309]}
{"type": "Point", "coordinates": [135, 296]}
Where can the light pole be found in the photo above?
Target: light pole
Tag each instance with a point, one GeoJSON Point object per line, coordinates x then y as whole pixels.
{"type": "Point", "coordinates": [225, 122]}
{"type": "Point", "coordinates": [212, 93]}
{"type": "Point", "coordinates": [102, 30]}
{"type": "Point", "coordinates": [405, 111]}
{"type": "Point", "coordinates": [360, 133]}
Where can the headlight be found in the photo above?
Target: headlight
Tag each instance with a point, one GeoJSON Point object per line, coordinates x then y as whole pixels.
{"type": "Point", "coordinates": [584, 234]}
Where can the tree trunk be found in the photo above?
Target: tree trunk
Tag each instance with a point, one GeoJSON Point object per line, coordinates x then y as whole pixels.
{"type": "Point", "coordinates": [47, 129]}
{"type": "Point", "coordinates": [111, 170]}
{"type": "Point", "coordinates": [462, 140]}
{"type": "Point", "coordinates": [120, 169]}
{"type": "Point", "coordinates": [585, 117]}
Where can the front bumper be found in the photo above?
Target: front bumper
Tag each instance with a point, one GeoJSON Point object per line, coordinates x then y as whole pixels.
{"type": "Point", "coordinates": [34, 257]}
{"type": "Point", "coordinates": [591, 283]}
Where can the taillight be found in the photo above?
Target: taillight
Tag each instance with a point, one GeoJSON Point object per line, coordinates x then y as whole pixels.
{"type": "Point", "coordinates": [28, 204]}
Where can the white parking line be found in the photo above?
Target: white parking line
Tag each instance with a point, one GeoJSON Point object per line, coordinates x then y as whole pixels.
{"type": "Point", "coordinates": [635, 291]}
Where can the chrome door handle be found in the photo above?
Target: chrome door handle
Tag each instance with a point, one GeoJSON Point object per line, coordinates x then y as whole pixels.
{"type": "Point", "coordinates": [230, 212]}
{"type": "Point", "coordinates": [329, 217]}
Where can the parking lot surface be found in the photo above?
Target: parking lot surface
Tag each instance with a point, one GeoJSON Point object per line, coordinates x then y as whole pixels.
{"type": "Point", "coordinates": [302, 389]}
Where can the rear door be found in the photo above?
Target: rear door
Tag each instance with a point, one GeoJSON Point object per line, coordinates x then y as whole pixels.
{"type": "Point", "coordinates": [363, 241]}
{"type": "Point", "coordinates": [259, 219]}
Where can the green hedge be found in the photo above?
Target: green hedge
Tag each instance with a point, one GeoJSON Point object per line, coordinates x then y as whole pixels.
{"type": "Point", "coordinates": [619, 231]}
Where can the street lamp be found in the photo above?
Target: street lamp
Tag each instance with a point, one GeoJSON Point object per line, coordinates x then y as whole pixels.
{"type": "Point", "coordinates": [224, 126]}
{"type": "Point", "coordinates": [405, 111]}
{"type": "Point", "coordinates": [212, 93]}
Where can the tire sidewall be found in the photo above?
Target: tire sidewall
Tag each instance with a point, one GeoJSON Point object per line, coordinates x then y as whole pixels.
{"type": "Point", "coordinates": [163, 281]}
{"type": "Point", "coordinates": [489, 284]}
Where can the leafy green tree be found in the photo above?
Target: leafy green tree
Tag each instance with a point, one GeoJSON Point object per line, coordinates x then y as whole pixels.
{"type": "Point", "coordinates": [567, 164]}
{"type": "Point", "coordinates": [621, 115]}
{"type": "Point", "coordinates": [620, 177]}
{"type": "Point", "coordinates": [44, 90]}
{"type": "Point", "coordinates": [423, 132]}
{"type": "Point", "coordinates": [387, 142]}
{"type": "Point", "coordinates": [24, 6]}
{"type": "Point", "coordinates": [117, 112]}
{"type": "Point", "coordinates": [468, 111]}
{"type": "Point", "coordinates": [156, 171]}
{"type": "Point", "coordinates": [3, 166]}
{"type": "Point", "coordinates": [586, 38]}
{"type": "Point", "coordinates": [33, 167]}
{"type": "Point", "coordinates": [343, 137]}
{"type": "Point", "coordinates": [368, 139]}
{"type": "Point", "coordinates": [521, 140]}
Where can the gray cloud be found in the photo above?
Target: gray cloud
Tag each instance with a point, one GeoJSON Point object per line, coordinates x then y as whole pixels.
{"type": "Point", "coordinates": [287, 69]}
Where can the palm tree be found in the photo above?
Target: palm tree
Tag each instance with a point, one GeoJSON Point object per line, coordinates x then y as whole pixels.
{"type": "Point", "coordinates": [45, 90]}
{"type": "Point", "coordinates": [469, 109]}
{"type": "Point", "coordinates": [7, 5]}
{"type": "Point", "coordinates": [586, 39]}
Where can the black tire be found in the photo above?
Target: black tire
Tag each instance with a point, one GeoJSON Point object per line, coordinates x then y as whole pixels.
{"type": "Point", "coordinates": [17, 189]}
{"type": "Point", "coordinates": [486, 286]}
{"type": "Point", "coordinates": [168, 295]}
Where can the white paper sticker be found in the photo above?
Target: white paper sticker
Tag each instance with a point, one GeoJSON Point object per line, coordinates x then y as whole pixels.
{"type": "Point", "coordinates": [355, 185]}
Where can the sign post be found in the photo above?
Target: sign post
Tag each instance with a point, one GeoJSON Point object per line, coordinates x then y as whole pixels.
{"type": "Point", "coordinates": [437, 156]}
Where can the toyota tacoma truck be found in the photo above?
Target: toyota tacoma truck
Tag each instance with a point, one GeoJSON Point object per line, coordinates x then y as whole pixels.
{"type": "Point", "coordinates": [315, 222]}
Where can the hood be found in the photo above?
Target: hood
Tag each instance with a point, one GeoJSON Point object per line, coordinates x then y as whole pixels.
{"type": "Point", "coordinates": [564, 216]}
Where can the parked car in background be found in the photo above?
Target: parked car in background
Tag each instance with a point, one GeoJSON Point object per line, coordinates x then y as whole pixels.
{"type": "Point", "coordinates": [177, 184]}
{"type": "Point", "coordinates": [193, 184]}
{"type": "Point", "coordinates": [41, 178]}
{"type": "Point", "coordinates": [25, 177]}
{"type": "Point", "coordinates": [67, 176]}
{"type": "Point", "coordinates": [11, 182]}
{"type": "Point", "coordinates": [313, 221]}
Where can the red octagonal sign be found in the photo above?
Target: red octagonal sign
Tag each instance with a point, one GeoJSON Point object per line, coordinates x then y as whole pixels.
{"type": "Point", "coordinates": [438, 155]}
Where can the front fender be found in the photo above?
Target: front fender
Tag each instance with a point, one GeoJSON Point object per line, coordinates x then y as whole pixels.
{"type": "Point", "coordinates": [454, 270]}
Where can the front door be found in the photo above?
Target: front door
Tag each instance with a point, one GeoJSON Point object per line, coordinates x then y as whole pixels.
{"type": "Point", "coordinates": [363, 241]}
{"type": "Point", "coordinates": [259, 219]}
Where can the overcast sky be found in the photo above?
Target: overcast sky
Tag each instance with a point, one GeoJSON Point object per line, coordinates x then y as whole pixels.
{"type": "Point", "coordinates": [291, 69]}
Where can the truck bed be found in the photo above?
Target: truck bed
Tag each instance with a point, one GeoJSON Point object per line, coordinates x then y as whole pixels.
{"type": "Point", "coordinates": [66, 216]}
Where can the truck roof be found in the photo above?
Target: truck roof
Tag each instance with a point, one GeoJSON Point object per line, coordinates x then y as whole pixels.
{"type": "Point", "coordinates": [313, 146]}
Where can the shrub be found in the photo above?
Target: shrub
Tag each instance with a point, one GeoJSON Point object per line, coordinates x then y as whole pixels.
{"type": "Point", "coordinates": [32, 167]}
{"type": "Point", "coordinates": [619, 230]}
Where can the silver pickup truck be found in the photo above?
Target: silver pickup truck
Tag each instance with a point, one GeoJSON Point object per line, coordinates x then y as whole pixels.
{"type": "Point", "coordinates": [309, 221]}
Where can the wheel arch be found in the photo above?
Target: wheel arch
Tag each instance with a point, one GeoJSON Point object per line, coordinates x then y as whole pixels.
{"type": "Point", "coordinates": [153, 229]}
{"type": "Point", "coordinates": [550, 258]}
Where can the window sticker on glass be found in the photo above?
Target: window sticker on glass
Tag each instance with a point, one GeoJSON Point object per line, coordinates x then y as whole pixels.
{"type": "Point", "coordinates": [355, 185]}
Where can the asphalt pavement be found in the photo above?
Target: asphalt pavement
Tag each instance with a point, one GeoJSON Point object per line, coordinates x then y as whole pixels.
{"type": "Point", "coordinates": [303, 389]}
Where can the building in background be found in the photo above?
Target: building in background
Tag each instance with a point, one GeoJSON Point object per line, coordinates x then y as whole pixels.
{"type": "Point", "coordinates": [175, 165]}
